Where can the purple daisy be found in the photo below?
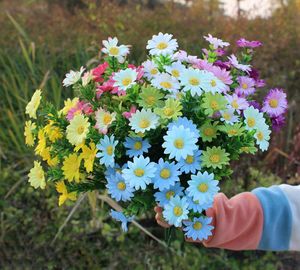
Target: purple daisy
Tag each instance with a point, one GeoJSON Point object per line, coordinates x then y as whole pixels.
{"type": "Point", "coordinates": [254, 74]}
{"type": "Point", "coordinates": [275, 102]}
{"type": "Point", "coordinates": [278, 122]}
{"type": "Point", "coordinates": [237, 103]}
{"type": "Point", "coordinates": [243, 43]}
{"type": "Point", "coordinates": [246, 86]}
{"type": "Point", "coordinates": [235, 63]}
{"type": "Point", "coordinates": [255, 104]}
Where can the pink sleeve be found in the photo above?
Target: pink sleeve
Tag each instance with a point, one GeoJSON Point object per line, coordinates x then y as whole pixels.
{"type": "Point", "coordinates": [238, 222]}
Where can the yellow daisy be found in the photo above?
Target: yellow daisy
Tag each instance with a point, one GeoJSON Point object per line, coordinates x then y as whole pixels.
{"type": "Point", "coordinates": [41, 143]}
{"type": "Point", "coordinates": [53, 132]}
{"type": "Point", "coordinates": [78, 129]}
{"type": "Point", "coordinates": [61, 188]}
{"type": "Point", "coordinates": [71, 167]}
{"type": "Point", "coordinates": [33, 104]}
{"type": "Point", "coordinates": [69, 103]}
{"type": "Point", "coordinates": [29, 136]}
{"type": "Point", "coordinates": [36, 176]}
{"type": "Point", "coordinates": [88, 155]}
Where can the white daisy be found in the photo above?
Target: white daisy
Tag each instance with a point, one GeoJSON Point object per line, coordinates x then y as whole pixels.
{"type": "Point", "coordinates": [262, 136]}
{"type": "Point", "coordinates": [150, 69]}
{"type": "Point", "coordinates": [228, 116]}
{"type": "Point", "coordinates": [175, 69]}
{"type": "Point", "coordinates": [253, 118]}
{"type": "Point", "coordinates": [215, 85]}
{"type": "Point", "coordinates": [216, 42]}
{"type": "Point", "coordinates": [166, 82]}
{"type": "Point", "coordinates": [124, 79]}
{"type": "Point", "coordinates": [112, 49]}
{"type": "Point", "coordinates": [162, 44]}
{"type": "Point", "coordinates": [143, 120]}
{"type": "Point", "coordinates": [73, 77]}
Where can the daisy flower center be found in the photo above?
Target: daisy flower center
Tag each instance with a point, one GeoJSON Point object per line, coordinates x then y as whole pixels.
{"type": "Point", "coordinates": [244, 86]}
{"type": "Point", "coordinates": [214, 105]}
{"type": "Point", "coordinates": [144, 123]}
{"type": "Point", "coordinates": [109, 150]}
{"type": "Point", "coordinates": [175, 73]}
{"type": "Point", "coordinates": [114, 50]}
{"type": "Point", "coordinates": [189, 159]}
{"type": "Point", "coordinates": [40, 174]}
{"type": "Point", "coordinates": [137, 146]}
{"type": "Point", "coordinates": [208, 132]}
{"type": "Point", "coordinates": [251, 122]}
{"type": "Point", "coordinates": [121, 186]}
{"type": "Point", "coordinates": [194, 81]}
{"type": "Point", "coordinates": [170, 194]}
{"type": "Point", "coordinates": [162, 45]}
{"type": "Point", "coordinates": [153, 71]}
{"type": "Point", "coordinates": [150, 100]}
{"type": "Point", "coordinates": [107, 119]}
{"type": "Point", "coordinates": [126, 81]}
{"type": "Point", "coordinates": [215, 158]}
{"type": "Point", "coordinates": [232, 132]}
{"type": "Point", "coordinates": [273, 103]}
{"type": "Point", "coordinates": [165, 173]}
{"type": "Point", "coordinates": [80, 130]}
{"type": "Point", "coordinates": [235, 104]}
{"type": "Point", "coordinates": [226, 116]}
{"type": "Point", "coordinates": [213, 83]}
{"type": "Point", "coordinates": [167, 85]}
{"type": "Point", "coordinates": [179, 143]}
{"type": "Point", "coordinates": [203, 187]}
{"type": "Point", "coordinates": [139, 172]}
{"type": "Point", "coordinates": [168, 111]}
{"type": "Point", "coordinates": [197, 225]}
{"type": "Point", "coordinates": [177, 211]}
{"type": "Point", "coordinates": [260, 136]}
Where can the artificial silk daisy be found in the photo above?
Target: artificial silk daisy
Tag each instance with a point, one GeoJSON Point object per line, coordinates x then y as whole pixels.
{"type": "Point", "coordinates": [162, 44]}
{"type": "Point", "coordinates": [215, 85]}
{"type": "Point", "coordinates": [203, 187]}
{"type": "Point", "coordinates": [213, 103]}
{"type": "Point", "coordinates": [246, 86]}
{"type": "Point", "coordinates": [118, 188]}
{"type": "Point", "coordinates": [42, 142]}
{"type": "Point", "coordinates": [176, 210]}
{"type": "Point", "coordinates": [235, 63]}
{"type": "Point", "coordinates": [232, 130]}
{"type": "Point", "coordinates": [191, 163]}
{"type": "Point", "coordinates": [179, 142]}
{"type": "Point", "coordinates": [214, 157]}
{"type": "Point", "coordinates": [88, 155]}
{"type": "Point", "coordinates": [64, 194]}
{"type": "Point", "coordinates": [143, 120]}
{"type": "Point", "coordinates": [223, 75]}
{"type": "Point", "coordinates": [167, 174]}
{"type": "Point", "coordinates": [228, 116]}
{"type": "Point", "coordinates": [119, 216]}
{"type": "Point", "coordinates": [71, 166]}
{"type": "Point", "coordinates": [36, 176]}
{"type": "Point", "coordinates": [139, 173]}
{"type": "Point", "coordinates": [28, 133]}
{"type": "Point", "coordinates": [166, 82]}
{"type": "Point", "coordinates": [198, 229]}
{"type": "Point", "coordinates": [107, 147]}
{"type": "Point", "coordinates": [171, 110]}
{"type": "Point", "coordinates": [253, 118]}
{"type": "Point", "coordinates": [104, 120]}
{"type": "Point", "coordinates": [209, 131]}
{"type": "Point", "coordinates": [198, 206]}
{"type": "Point", "coordinates": [175, 69]}
{"type": "Point", "coordinates": [186, 123]}
{"type": "Point", "coordinates": [136, 146]}
{"type": "Point", "coordinates": [33, 104]}
{"type": "Point", "coordinates": [150, 69]}
{"type": "Point", "coordinates": [150, 97]}
{"type": "Point", "coordinates": [78, 129]}
{"type": "Point", "coordinates": [216, 42]}
{"type": "Point", "coordinates": [53, 132]}
{"type": "Point", "coordinates": [262, 136]}
{"type": "Point", "coordinates": [163, 197]}
{"type": "Point", "coordinates": [124, 79]}
{"type": "Point", "coordinates": [73, 77]}
{"type": "Point", "coordinates": [237, 103]}
{"type": "Point", "coordinates": [112, 48]}
{"type": "Point", "coordinates": [275, 103]}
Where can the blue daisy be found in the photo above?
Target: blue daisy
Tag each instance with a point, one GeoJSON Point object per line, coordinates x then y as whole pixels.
{"type": "Point", "coordinates": [111, 172]}
{"type": "Point", "coordinates": [198, 229]}
{"type": "Point", "coordinates": [136, 146]}
{"type": "Point", "coordinates": [107, 150]}
{"type": "Point", "coordinates": [118, 188]}
{"type": "Point", "coordinates": [119, 216]}
{"type": "Point", "coordinates": [191, 163]}
{"type": "Point", "coordinates": [139, 173]}
{"type": "Point", "coordinates": [176, 210]}
{"type": "Point", "coordinates": [203, 187]}
{"type": "Point", "coordinates": [186, 123]}
{"type": "Point", "coordinates": [179, 142]}
{"type": "Point", "coordinates": [197, 206]}
{"type": "Point", "coordinates": [163, 197]}
{"type": "Point", "coordinates": [167, 174]}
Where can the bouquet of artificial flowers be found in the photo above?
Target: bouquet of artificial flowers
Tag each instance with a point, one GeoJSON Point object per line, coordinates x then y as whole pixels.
{"type": "Point", "coordinates": [161, 133]}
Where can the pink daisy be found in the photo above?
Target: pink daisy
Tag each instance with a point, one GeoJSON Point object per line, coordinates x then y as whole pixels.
{"type": "Point", "coordinates": [249, 44]}
{"type": "Point", "coordinates": [275, 102]}
{"type": "Point", "coordinates": [130, 113]}
{"type": "Point", "coordinates": [237, 103]}
{"type": "Point", "coordinates": [99, 71]}
{"type": "Point", "coordinates": [246, 86]}
{"type": "Point", "coordinates": [216, 42]}
{"type": "Point", "coordinates": [235, 63]}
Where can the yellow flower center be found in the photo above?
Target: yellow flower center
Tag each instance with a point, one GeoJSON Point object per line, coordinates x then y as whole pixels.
{"type": "Point", "coordinates": [273, 103]}
{"type": "Point", "coordinates": [227, 116]}
{"type": "Point", "coordinates": [251, 122]}
{"type": "Point", "coordinates": [208, 132]}
{"type": "Point", "coordinates": [214, 105]}
{"type": "Point", "coordinates": [168, 111]}
{"type": "Point", "coordinates": [235, 104]}
{"type": "Point", "coordinates": [144, 123]}
{"type": "Point", "coordinates": [175, 73]}
{"type": "Point", "coordinates": [121, 185]}
{"type": "Point", "coordinates": [150, 100]}
{"type": "Point", "coordinates": [170, 194]}
{"type": "Point", "coordinates": [165, 173]}
{"type": "Point", "coordinates": [177, 211]}
{"type": "Point", "coordinates": [245, 148]}
{"type": "Point", "coordinates": [137, 146]}
{"type": "Point", "coordinates": [194, 81]}
{"type": "Point", "coordinates": [167, 85]}
{"type": "Point", "coordinates": [214, 158]}
{"type": "Point", "coordinates": [197, 225]}
{"type": "Point", "coordinates": [109, 150]}
{"type": "Point", "coordinates": [203, 187]}
{"type": "Point", "coordinates": [213, 83]}
{"type": "Point", "coordinates": [153, 71]}
{"type": "Point", "coordinates": [80, 130]}
{"type": "Point", "coordinates": [162, 45]}
{"type": "Point", "coordinates": [232, 132]}
{"type": "Point", "coordinates": [244, 86]}
{"type": "Point", "coordinates": [260, 136]}
{"type": "Point", "coordinates": [114, 50]}
{"type": "Point", "coordinates": [107, 118]}
{"type": "Point", "coordinates": [189, 159]}
{"type": "Point", "coordinates": [179, 143]}
{"type": "Point", "coordinates": [126, 81]}
{"type": "Point", "coordinates": [139, 172]}
{"type": "Point", "coordinates": [40, 174]}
